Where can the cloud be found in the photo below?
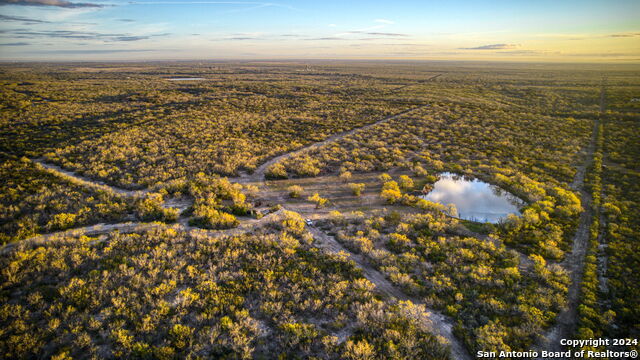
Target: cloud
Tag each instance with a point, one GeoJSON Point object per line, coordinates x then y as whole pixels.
{"type": "Point", "coordinates": [530, 52]}
{"type": "Point", "coordinates": [623, 35]}
{"type": "Point", "coordinates": [384, 21]}
{"type": "Point", "coordinates": [130, 38]}
{"type": "Point", "coordinates": [377, 33]}
{"type": "Point", "coordinates": [58, 3]}
{"type": "Point", "coordinates": [252, 4]}
{"type": "Point", "coordinates": [126, 20]}
{"type": "Point", "coordinates": [81, 35]}
{"type": "Point", "coordinates": [23, 19]}
{"type": "Point", "coordinates": [386, 34]}
{"type": "Point", "coordinates": [90, 51]}
{"type": "Point", "coordinates": [596, 54]}
{"type": "Point", "coordinates": [15, 44]}
{"type": "Point", "coordinates": [327, 38]}
{"type": "Point", "coordinates": [493, 47]}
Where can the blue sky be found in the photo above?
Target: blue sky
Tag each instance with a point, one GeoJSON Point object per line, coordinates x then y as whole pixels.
{"type": "Point", "coordinates": [459, 30]}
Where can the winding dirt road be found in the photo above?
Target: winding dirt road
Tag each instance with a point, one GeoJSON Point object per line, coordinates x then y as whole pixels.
{"type": "Point", "coordinates": [131, 227]}
{"type": "Point", "coordinates": [418, 82]}
{"type": "Point", "coordinates": [258, 174]}
{"type": "Point", "coordinates": [440, 324]}
{"type": "Point", "coordinates": [87, 181]}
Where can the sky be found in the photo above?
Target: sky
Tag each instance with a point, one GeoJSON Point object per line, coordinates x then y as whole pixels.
{"type": "Point", "coordinates": [512, 30]}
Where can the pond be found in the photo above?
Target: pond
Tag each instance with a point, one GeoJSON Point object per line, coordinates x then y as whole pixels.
{"type": "Point", "coordinates": [475, 200]}
{"type": "Point", "coordinates": [186, 79]}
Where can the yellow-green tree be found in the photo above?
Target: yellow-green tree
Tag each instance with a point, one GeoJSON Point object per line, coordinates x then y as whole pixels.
{"type": "Point", "coordinates": [318, 200]}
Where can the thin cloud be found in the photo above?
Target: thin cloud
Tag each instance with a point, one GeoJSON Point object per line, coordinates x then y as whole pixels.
{"type": "Point", "coordinates": [126, 20]}
{"type": "Point", "coordinates": [384, 21]}
{"type": "Point", "coordinates": [492, 47]}
{"type": "Point", "coordinates": [601, 54]}
{"type": "Point", "coordinates": [623, 35]}
{"type": "Point", "coordinates": [90, 51]}
{"type": "Point", "coordinates": [15, 44]}
{"type": "Point", "coordinates": [386, 34]}
{"type": "Point", "coordinates": [57, 3]}
{"type": "Point", "coordinates": [254, 4]}
{"type": "Point", "coordinates": [22, 19]}
{"type": "Point", "coordinates": [374, 33]}
{"type": "Point", "coordinates": [82, 35]}
{"type": "Point", "coordinates": [527, 52]}
{"type": "Point", "coordinates": [130, 38]}
{"type": "Point", "coordinates": [327, 38]}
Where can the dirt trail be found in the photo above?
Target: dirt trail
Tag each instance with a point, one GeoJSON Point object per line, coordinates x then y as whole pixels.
{"type": "Point", "coordinates": [92, 230]}
{"type": "Point", "coordinates": [440, 324]}
{"type": "Point", "coordinates": [417, 83]}
{"type": "Point", "coordinates": [258, 174]}
{"type": "Point", "coordinates": [87, 181]}
{"type": "Point", "coordinates": [130, 227]}
{"type": "Point", "coordinates": [180, 203]}
{"type": "Point", "coordinates": [574, 262]}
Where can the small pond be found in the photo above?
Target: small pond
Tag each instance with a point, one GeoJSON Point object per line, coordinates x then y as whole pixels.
{"type": "Point", "coordinates": [186, 79]}
{"type": "Point", "coordinates": [475, 200]}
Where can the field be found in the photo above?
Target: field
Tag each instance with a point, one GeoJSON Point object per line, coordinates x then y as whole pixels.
{"type": "Point", "coordinates": [274, 209]}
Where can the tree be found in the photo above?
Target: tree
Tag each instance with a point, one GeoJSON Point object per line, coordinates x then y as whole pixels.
{"type": "Point", "coordinates": [292, 222]}
{"type": "Point", "coordinates": [406, 183]}
{"type": "Point", "coordinates": [211, 218]}
{"type": "Point", "coordinates": [320, 201]}
{"type": "Point", "coordinates": [391, 192]}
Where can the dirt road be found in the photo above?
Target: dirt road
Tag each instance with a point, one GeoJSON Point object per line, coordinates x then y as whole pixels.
{"type": "Point", "coordinates": [258, 174]}
{"type": "Point", "coordinates": [85, 180]}
{"type": "Point", "coordinates": [440, 324]}
{"type": "Point", "coordinates": [131, 227]}
{"type": "Point", "coordinates": [574, 262]}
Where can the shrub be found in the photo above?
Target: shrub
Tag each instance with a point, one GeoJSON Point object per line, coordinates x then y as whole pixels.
{"type": "Point", "coordinates": [295, 191]}
{"type": "Point", "coordinates": [62, 221]}
{"type": "Point", "coordinates": [276, 171]}
{"type": "Point", "coordinates": [356, 188]}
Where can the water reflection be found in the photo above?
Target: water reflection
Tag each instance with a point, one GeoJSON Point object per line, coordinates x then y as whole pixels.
{"type": "Point", "coordinates": [474, 199]}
